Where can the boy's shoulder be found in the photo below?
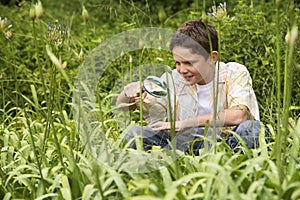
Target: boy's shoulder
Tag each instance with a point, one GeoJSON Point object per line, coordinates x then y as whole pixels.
{"type": "Point", "coordinates": [233, 66]}
{"type": "Point", "coordinates": [231, 70]}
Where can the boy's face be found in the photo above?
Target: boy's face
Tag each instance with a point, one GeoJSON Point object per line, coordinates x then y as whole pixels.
{"type": "Point", "coordinates": [194, 68]}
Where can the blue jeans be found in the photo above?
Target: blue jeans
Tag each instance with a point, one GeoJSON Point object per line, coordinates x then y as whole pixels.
{"type": "Point", "coordinates": [248, 131]}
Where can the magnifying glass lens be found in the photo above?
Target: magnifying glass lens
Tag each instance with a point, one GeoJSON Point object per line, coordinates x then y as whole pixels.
{"type": "Point", "coordinates": [155, 86]}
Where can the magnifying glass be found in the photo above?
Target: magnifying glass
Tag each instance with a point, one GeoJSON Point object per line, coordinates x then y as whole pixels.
{"type": "Point", "coordinates": [155, 86]}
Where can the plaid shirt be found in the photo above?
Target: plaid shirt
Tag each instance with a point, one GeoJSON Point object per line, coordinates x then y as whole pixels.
{"type": "Point", "coordinates": [234, 87]}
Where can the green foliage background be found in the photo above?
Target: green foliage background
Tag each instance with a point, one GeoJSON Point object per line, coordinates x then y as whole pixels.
{"type": "Point", "coordinates": [41, 153]}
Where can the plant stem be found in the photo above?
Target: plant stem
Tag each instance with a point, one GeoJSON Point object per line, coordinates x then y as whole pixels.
{"type": "Point", "coordinates": [215, 94]}
{"type": "Point", "coordinates": [288, 79]}
{"type": "Point", "coordinates": [28, 122]}
{"type": "Point", "coordinates": [35, 152]}
{"type": "Point", "coordinates": [141, 103]}
{"type": "Point", "coordinates": [104, 129]}
{"type": "Point", "coordinates": [216, 87]}
{"type": "Point", "coordinates": [46, 133]}
{"type": "Point", "coordinates": [172, 120]}
{"type": "Point", "coordinates": [278, 111]}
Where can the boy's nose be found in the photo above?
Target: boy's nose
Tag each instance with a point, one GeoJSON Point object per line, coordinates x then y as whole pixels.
{"type": "Point", "coordinates": [181, 68]}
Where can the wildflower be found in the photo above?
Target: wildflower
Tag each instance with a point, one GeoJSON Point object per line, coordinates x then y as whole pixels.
{"type": "Point", "coordinates": [4, 28]}
{"type": "Point", "coordinates": [219, 13]}
{"type": "Point", "coordinates": [85, 14]}
{"type": "Point", "coordinates": [8, 35]}
{"type": "Point", "coordinates": [4, 25]}
{"type": "Point", "coordinates": [56, 33]}
{"type": "Point", "coordinates": [223, 5]}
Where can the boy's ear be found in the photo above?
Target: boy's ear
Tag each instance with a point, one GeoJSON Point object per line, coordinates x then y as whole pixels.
{"type": "Point", "coordinates": [215, 56]}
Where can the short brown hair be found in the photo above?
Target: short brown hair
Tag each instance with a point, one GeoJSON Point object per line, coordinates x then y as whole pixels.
{"type": "Point", "coordinates": [193, 33]}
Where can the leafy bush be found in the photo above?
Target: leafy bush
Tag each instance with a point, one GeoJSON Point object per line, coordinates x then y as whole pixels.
{"type": "Point", "coordinates": [41, 153]}
{"type": "Point", "coordinates": [249, 38]}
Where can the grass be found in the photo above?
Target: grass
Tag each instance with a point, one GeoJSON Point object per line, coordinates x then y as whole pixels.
{"type": "Point", "coordinates": [43, 154]}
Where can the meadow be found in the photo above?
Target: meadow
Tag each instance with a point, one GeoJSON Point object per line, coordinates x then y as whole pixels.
{"type": "Point", "coordinates": [49, 56]}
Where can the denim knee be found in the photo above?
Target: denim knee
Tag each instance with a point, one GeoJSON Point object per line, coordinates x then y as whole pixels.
{"type": "Point", "coordinates": [249, 132]}
{"type": "Point", "coordinates": [149, 137]}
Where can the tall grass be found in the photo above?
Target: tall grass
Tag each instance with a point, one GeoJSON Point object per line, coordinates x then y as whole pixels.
{"type": "Point", "coordinates": [42, 156]}
{"type": "Point", "coordinates": [284, 101]}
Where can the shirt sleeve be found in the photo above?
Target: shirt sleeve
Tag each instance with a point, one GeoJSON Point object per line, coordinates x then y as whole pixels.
{"type": "Point", "coordinates": [240, 90]}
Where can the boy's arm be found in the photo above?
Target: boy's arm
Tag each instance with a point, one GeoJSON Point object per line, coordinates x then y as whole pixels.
{"type": "Point", "coordinates": [228, 117]}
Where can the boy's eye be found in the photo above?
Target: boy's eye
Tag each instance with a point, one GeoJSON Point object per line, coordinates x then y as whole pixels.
{"type": "Point", "coordinates": [191, 62]}
{"type": "Point", "coordinates": [185, 63]}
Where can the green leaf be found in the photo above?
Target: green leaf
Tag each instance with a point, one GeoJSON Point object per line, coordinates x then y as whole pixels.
{"type": "Point", "coordinates": [88, 192]}
{"type": "Point", "coordinates": [65, 189]}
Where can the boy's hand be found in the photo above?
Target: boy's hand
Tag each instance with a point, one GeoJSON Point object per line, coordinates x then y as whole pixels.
{"type": "Point", "coordinates": [179, 126]}
{"type": "Point", "coordinates": [132, 89]}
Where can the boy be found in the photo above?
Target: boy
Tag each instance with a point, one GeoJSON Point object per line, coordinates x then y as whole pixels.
{"type": "Point", "coordinates": [205, 90]}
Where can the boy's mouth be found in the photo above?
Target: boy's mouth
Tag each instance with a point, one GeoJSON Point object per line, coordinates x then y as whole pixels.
{"type": "Point", "coordinates": [188, 77]}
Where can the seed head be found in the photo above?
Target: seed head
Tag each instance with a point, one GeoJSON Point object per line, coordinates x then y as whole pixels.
{"type": "Point", "coordinates": [38, 10]}
{"type": "Point", "coordinates": [32, 12]}
{"type": "Point", "coordinates": [162, 16]}
{"type": "Point", "coordinates": [85, 14]}
{"type": "Point", "coordinates": [278, 3]}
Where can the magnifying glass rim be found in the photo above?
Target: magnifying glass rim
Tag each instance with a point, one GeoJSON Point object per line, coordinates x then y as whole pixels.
{"type": "Point", "coordinates": [157, 80]}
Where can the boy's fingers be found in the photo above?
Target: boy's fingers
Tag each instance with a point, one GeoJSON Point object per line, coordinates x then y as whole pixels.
{"type": "Point", "coordinates": [132, 89]}
{"type": "Point", "coordinates": [160, 126]}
